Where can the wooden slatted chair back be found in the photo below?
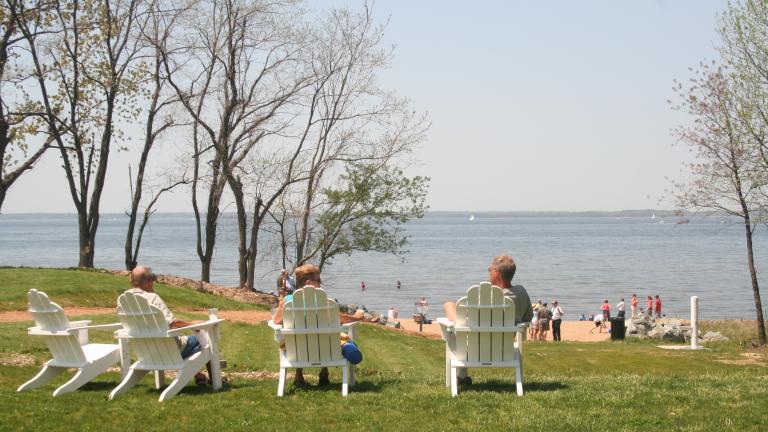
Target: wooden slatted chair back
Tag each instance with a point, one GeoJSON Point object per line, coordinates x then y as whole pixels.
{"type": "Point", "coordinates": [49, 316]}
{"type": "Point", "coordinates": [483, 309]}
{"type": "Point", "coordinates": [311, 309]}
{"type": "Point", "coordinates": [146, 326]}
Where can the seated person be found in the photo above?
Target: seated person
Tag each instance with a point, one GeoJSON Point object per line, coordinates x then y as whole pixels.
{"type": "Point", "coordinates": [143, 284]}
{"type": "Point", "coordinates": [309, 275]}
{"type": "Point", "coordinates": [500, 274]}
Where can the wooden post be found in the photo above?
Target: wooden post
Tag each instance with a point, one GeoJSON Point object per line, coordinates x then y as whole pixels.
{"type": "Point", "coordinates": [694, 322]}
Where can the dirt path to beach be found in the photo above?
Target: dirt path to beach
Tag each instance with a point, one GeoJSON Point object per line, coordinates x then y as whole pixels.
{"type": "Point", "coordinates": [575, 331]}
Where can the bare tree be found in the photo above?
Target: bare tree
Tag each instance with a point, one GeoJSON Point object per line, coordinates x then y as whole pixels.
{"type": "Point", "coordinates": [159, 119]}
{"type": "Point", "coordinates": [86, 81]}
{"type": "Point", "coordinates": [239, 70]}
{"type": "Point", "coordinates": [725, 174]}
{"type": "Point", "coordinates": [351, 123]}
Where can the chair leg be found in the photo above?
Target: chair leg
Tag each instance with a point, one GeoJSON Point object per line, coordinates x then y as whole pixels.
{"type": "Point", "coordinates": [129, 381]}
{"type": "Point", "coordinates": [46, 374]}
{"type": "Point", "coordinates": [345, 380]}
{"type": "Point", "coordinates": [519, 379]}
{"type": "Point", "coordinates": [159, 379]}
{"type": "Point", "coordinates": [454, 382]}
{"type": "Point", "coordinates": [191, 367]}
{"type": "Point", "coordinates": [87, 373]}
{"type": "Point", "coordinates": [447, 366]}
{"type": "Point", "coordinates": [281, 383]}
{"type": "Point", "coordinates": [352, 375]}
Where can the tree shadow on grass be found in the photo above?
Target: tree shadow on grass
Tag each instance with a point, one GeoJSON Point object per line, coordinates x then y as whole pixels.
{"type": "Point", "coordinates": [509, 387]}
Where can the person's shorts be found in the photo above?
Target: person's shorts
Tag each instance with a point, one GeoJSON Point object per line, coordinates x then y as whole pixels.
{"type": "Point", "coordinates": [544, 325]}
{"type": "Point", "coordinates": [191, 347]}
{"type": "Point", "coordinates": [606, 316]}
{"type": "Point", "coordinates": [534, 324]}
{"type": "Point", "coordinates": [597, 323]}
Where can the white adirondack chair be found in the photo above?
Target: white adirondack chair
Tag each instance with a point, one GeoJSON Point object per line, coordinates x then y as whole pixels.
{"type": "Point", "coordinates": [68, 343]}
{"type": "Point", "coordinates": [485, 335]}
{"type": "Point", "coordinates": [147, 336]}
{"type": "Point", "coordinates": [310, 331]}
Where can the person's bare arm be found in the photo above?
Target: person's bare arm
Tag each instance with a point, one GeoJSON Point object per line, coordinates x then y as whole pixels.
{"type": "Point", "coordinates": [177, 323]}
{"type": "Point", "coordinates": [278, 318]}
{"type": "Point", "coordinates": [450, 311]}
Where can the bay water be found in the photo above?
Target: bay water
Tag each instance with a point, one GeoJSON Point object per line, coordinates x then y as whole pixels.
{"type": "Point", "coordinates": [578, 260]}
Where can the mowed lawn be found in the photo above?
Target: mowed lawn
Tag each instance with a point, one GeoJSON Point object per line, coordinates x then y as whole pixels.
{"type": "Point", "coordinates": [609, 386]}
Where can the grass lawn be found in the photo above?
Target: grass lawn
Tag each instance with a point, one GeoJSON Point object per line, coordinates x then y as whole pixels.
{"type": "Point", "coordinates": [608, 386]}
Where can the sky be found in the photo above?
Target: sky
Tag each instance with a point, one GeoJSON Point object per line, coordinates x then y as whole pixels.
{"type": "Point", "coordinates": [535, 106]}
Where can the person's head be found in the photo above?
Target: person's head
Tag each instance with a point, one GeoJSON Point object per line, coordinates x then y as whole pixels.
{"type": "Point", "coordinates": [284, 272]}
{"type": "Point", "coordinates": [650, 298]}
{"type": "Point", "coordinates": [502, 270]}
{"type": "Point", "coordinates": [605, 301]}
{"type": "Point", "coordinates": [634, 295]}
{"type": "Point", "coordinates": [142, 277]}
{"type": "Point", "coordinates": [622, 299]}
{"type": "Point", "coordinates": [657, 296]}
{"type": "Point", "coordinates": [545, 305]}
{"type": "Point", "coordinates": [554, 302]}
{"type": "Point", "coordinates": [308, 274]}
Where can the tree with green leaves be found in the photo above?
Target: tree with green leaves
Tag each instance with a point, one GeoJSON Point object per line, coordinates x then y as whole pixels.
{"type": "Point", "coordinates": [22, 131]}
{"type": "Point", "coordinates": [366, 210]}
{"type": "Point", "coordinates": [87, 71]}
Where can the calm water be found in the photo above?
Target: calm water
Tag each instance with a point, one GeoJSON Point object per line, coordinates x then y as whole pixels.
{"type": "Point", "coordinates": [579, 261]}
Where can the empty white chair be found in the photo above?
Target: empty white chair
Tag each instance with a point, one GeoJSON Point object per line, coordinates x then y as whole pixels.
{"type": "Point", "coordinates": [68, 343]}
{"type": "Point", "coordinates": [147, 336]}
{"type": "Point", "coordinates": [310, 333]}
{"type": "Point", "coordinates": [485, 335]}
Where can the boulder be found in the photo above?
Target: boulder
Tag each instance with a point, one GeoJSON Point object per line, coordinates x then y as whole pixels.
{"type": "Point", "coordinates": [713, 336]}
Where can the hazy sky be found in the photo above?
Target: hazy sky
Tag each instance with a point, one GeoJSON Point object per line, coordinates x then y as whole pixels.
{"type": "Point", "coordinates": [545, 105]}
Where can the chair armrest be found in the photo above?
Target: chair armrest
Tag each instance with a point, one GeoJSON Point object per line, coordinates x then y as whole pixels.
{"type": "Point", "coordinates": [113, 326]}
{"type": "Point", "coordinates": [445, 322]}
{"type": "Point", "coordinates": [275, 327]}
{"type": "Point", "coordinates": [351, 329]}
{"type": "Point", "coordinates": [82, 323]}
{"type": "Point", "coordinates": [199, 326]}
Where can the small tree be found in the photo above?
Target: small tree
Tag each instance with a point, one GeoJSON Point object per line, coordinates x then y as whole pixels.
{"type": "Point", "coordinates": [726, 174]}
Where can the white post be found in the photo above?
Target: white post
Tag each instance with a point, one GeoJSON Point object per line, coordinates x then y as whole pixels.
{"type": "Point", "coordinates": [694, 322]}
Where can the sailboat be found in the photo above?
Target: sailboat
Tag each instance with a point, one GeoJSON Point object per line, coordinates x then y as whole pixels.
{"type": "Point", "coordinates": [653, 216]}
{"type": "Point", "coordinates": [471, 217]}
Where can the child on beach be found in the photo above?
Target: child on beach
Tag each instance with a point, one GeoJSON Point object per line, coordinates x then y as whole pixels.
{"type": "Point", "coordinates": [633, 304]}
{"type": "Point", "coordinates": [606, 308]}
{"type": "Point", "coordinates": [649, 307]}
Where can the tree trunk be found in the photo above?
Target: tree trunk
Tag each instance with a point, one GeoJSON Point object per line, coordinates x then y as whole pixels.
{"type": "Point", "coordinates": [755, 287]}
{"type": "Point", "coordinates": [252, 248]}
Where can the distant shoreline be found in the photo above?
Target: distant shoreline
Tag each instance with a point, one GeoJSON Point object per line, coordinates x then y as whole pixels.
{"type": "Point", "coordinates": [465, 213]}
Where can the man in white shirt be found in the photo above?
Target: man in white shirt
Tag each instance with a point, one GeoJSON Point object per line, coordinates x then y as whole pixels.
{"type": "Point", "coordinates": [621, 307]}
{"type": "Point", "coordinates": [557, 320]}
{"type": "Point", "coordinates": [143, 284]}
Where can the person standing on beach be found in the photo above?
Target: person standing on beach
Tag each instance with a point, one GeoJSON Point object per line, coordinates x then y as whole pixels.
{"type": "Point", "coordinates": [657, 307]}
{"type": "Point", "coordinates": [649, 307]}
{"type": "Point", "coordinates": [606, 308]}
{"type": "Point", "coordinates": [544, 316]}
{"type": "Point", "coordinates": [362, 286]}
{"type": "Point", "coordinates": [621, 309]}
{"type": "Point", "coordinates": [633, 303]}
{"type": "Point", "coordinates": [398, 284]}
{"type": "Point", "coordinates": [557, 320]}
{"type": "Point", "coordinates": [533, 331]}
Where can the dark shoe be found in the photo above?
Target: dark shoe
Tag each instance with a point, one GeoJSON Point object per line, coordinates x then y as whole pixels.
{"type": "Point", "coordinates": [467, 380]}
{"type": "Point", "coordinates": [324, 379]}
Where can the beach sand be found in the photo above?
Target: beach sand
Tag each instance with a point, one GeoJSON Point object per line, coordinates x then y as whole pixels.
{"type": "Point", "coordinates": [572, 331]}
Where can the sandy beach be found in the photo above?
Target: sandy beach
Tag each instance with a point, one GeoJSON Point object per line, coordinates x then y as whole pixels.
{"type": "Point", "coordinates": [572, 331]}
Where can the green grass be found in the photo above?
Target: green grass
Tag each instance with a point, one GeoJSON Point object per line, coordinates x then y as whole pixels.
{"type": "Point", "coordinates": [76, 287]}
{"type": "Point", "coordinates": [616, 386]}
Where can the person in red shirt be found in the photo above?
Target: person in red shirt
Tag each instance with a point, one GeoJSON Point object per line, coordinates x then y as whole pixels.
{"type": "Point", "coordinates": [606, 308]}
{"type": "Point", "coordinates": [657, 309]}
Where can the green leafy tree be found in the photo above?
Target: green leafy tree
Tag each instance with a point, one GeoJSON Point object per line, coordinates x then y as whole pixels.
{"type": "Point", "coordinates": [366, 211]}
